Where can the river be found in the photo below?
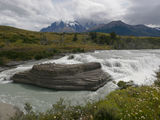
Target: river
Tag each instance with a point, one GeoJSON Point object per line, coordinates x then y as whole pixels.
{"type": "Point", "coordinates": [136, 65]}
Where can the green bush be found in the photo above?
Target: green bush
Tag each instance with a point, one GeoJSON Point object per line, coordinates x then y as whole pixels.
{"type": "Point", "coordinates": [157, 82]}
{"type": "Point", "coordinates": [39, 56]}
{"type": "Point", "coordinates": [46, 54]}
{"type": "Point", "coordinates": [107, 113]}
{"type": "Point", "coordinates": [113, 35]}
{"type": "Point", "coordinates": [28, 108]}
{"type": "Point", "coordinates": [75, 38]}
{"type": "Point", "coordinates": [78, 50]}
{"type": "Point", "coordinates": [124, 85]}
{"type": "Point", "coordinates": [3, 61]}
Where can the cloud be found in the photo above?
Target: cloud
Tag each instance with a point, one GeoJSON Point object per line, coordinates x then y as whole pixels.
{"type": "Point", "coordinates": [35, 14]}
{"type": "Point", "coordinates": [144, 12]}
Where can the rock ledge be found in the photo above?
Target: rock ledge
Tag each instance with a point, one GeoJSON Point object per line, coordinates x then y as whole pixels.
{"type": "Point", "coordinates": [88, 76]}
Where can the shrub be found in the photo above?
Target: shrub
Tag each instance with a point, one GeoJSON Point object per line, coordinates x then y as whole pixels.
{"type": "Point", "coordinates": [46, 53]}
{"type": "Point", "coordinates": [75, 37]}
{"type": "Point", "coordinates": [103, 39]}
{"type": "Point", "coordinates": [157, 82]}
{"type": "Point", "coordinates": [124, 85]}
{"type": "Point", "coordinates": [3, 60]}
{"type": "Point", "coordinates": [28, 108]}
{"type": "Point", "coordinates": [2, 45]}
{"type": "Point", "coordinates": [113, 35]}
{"type": "Point", "coordinates": [78, 50]}
{"type": "Point", "coordinates": [15, 54]}
{"type": "Point", "coordinates": [107, 113]}
{"type": "Point", "coordinates": [93, 35]}
{"type": "Point", "coordinates": [38, 56]}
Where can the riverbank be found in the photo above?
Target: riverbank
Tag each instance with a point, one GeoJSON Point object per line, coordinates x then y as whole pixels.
{"type": "Point", "coordinates": [132, 103]}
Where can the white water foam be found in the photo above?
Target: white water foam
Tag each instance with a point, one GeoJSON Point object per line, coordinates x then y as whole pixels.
{"type": "Point", "coordinates": [139, 67]}
{"type": "Point", "coordinates": [7, 74]}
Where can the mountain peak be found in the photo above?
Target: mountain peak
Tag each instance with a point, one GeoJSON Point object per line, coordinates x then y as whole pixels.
{"type": "Point", "coordinates": [118, 27]}
{"type": "Point", "coordinates": [64, 26]}
{"type": "Point", "coordinates": [119, 22]}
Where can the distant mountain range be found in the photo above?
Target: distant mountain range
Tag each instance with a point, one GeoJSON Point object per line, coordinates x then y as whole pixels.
{"type": "Point", "coordinates": [118, 27]}
{"type": "Point", "coordinates": [68, 27]}
{"type": "Point", "coordinates": [61, 26]}
{"type": "Point", "coordinates": [122, 28]}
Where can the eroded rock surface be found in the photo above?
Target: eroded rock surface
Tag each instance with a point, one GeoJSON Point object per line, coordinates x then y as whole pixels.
{"type": "Point", "coordinates": [7, 111]}
{"type": "Point", "coordinates": [88, 76]}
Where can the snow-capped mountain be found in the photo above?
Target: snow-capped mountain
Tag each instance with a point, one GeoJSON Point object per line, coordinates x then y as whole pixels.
{"type": "Point", "coordinates": [158, 28]}
{"type": "Point", "coordinates": [118, 27]}
{"type": "Point", "coordinates": [89, 25]}
{"type": "Point", "coordinates": [67, 26]}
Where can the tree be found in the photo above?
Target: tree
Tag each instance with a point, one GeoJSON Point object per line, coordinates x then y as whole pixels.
{"type": "Point", "coordinates": [44, 40]}
{"type": "Point", "coordinates": [93, 36]}
{"type": "Point", "coordinates": [113, 35]}
{"type": "Point", "coordinates": [75, 37]}
{"type": "Point", "coordinates": [103, 39]}
{"type": "Point", "coordinates": [62, 35]}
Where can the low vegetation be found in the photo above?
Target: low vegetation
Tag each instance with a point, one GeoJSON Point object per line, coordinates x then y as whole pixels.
{"type": "Point", "coordinates": [17, 44]}
{"type": "Point", "coordinates": [132, 103]}
{"type": "Point", "coordinates": [125, 42]}
{"type": "Point", "coordinates": [157, 82]}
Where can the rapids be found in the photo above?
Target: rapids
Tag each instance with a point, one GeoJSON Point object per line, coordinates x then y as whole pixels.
{"type": "Point", "coordinates": [136, 65]}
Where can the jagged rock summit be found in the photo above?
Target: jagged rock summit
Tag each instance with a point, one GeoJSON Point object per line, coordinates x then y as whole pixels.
{"type": "Point", "coordinates": [88, 76]}
{"type": "Point", "coordinates": [119, 27]}
{"type": "Point", "coordinates": [64, 26]}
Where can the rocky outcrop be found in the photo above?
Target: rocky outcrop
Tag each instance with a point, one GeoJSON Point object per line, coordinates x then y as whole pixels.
{"type": "Point", "coordinates": [125, 85]}
{"type": "Point", "coordinates": [7, 111]}
{"type": "Point", "coordinates": [70, 57]}
{"type": "Point", "coordinates": [87, 76]}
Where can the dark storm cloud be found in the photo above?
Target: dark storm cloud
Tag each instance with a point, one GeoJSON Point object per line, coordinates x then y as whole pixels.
{"type": "Point", "coordinates": [144, 12]}
{"type": "Point", "coordinates": [35, 14]}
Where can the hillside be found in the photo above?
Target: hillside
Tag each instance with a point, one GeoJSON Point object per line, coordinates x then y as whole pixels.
{"type": "Point", "coordinates": [17, 44]}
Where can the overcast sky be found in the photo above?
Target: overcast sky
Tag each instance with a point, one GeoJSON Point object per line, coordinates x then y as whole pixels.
{"type": "Point", "coordinates": [35, 14]}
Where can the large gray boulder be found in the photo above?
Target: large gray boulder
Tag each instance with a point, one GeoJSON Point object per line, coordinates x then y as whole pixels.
{"type": "Point", "coordinates": [7, 111]}
{"type": "Point", "coordinates": [88, 76]}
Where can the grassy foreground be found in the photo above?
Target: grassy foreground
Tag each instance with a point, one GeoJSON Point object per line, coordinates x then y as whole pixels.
{"type": "Point", "coordinates": [133, 103]}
